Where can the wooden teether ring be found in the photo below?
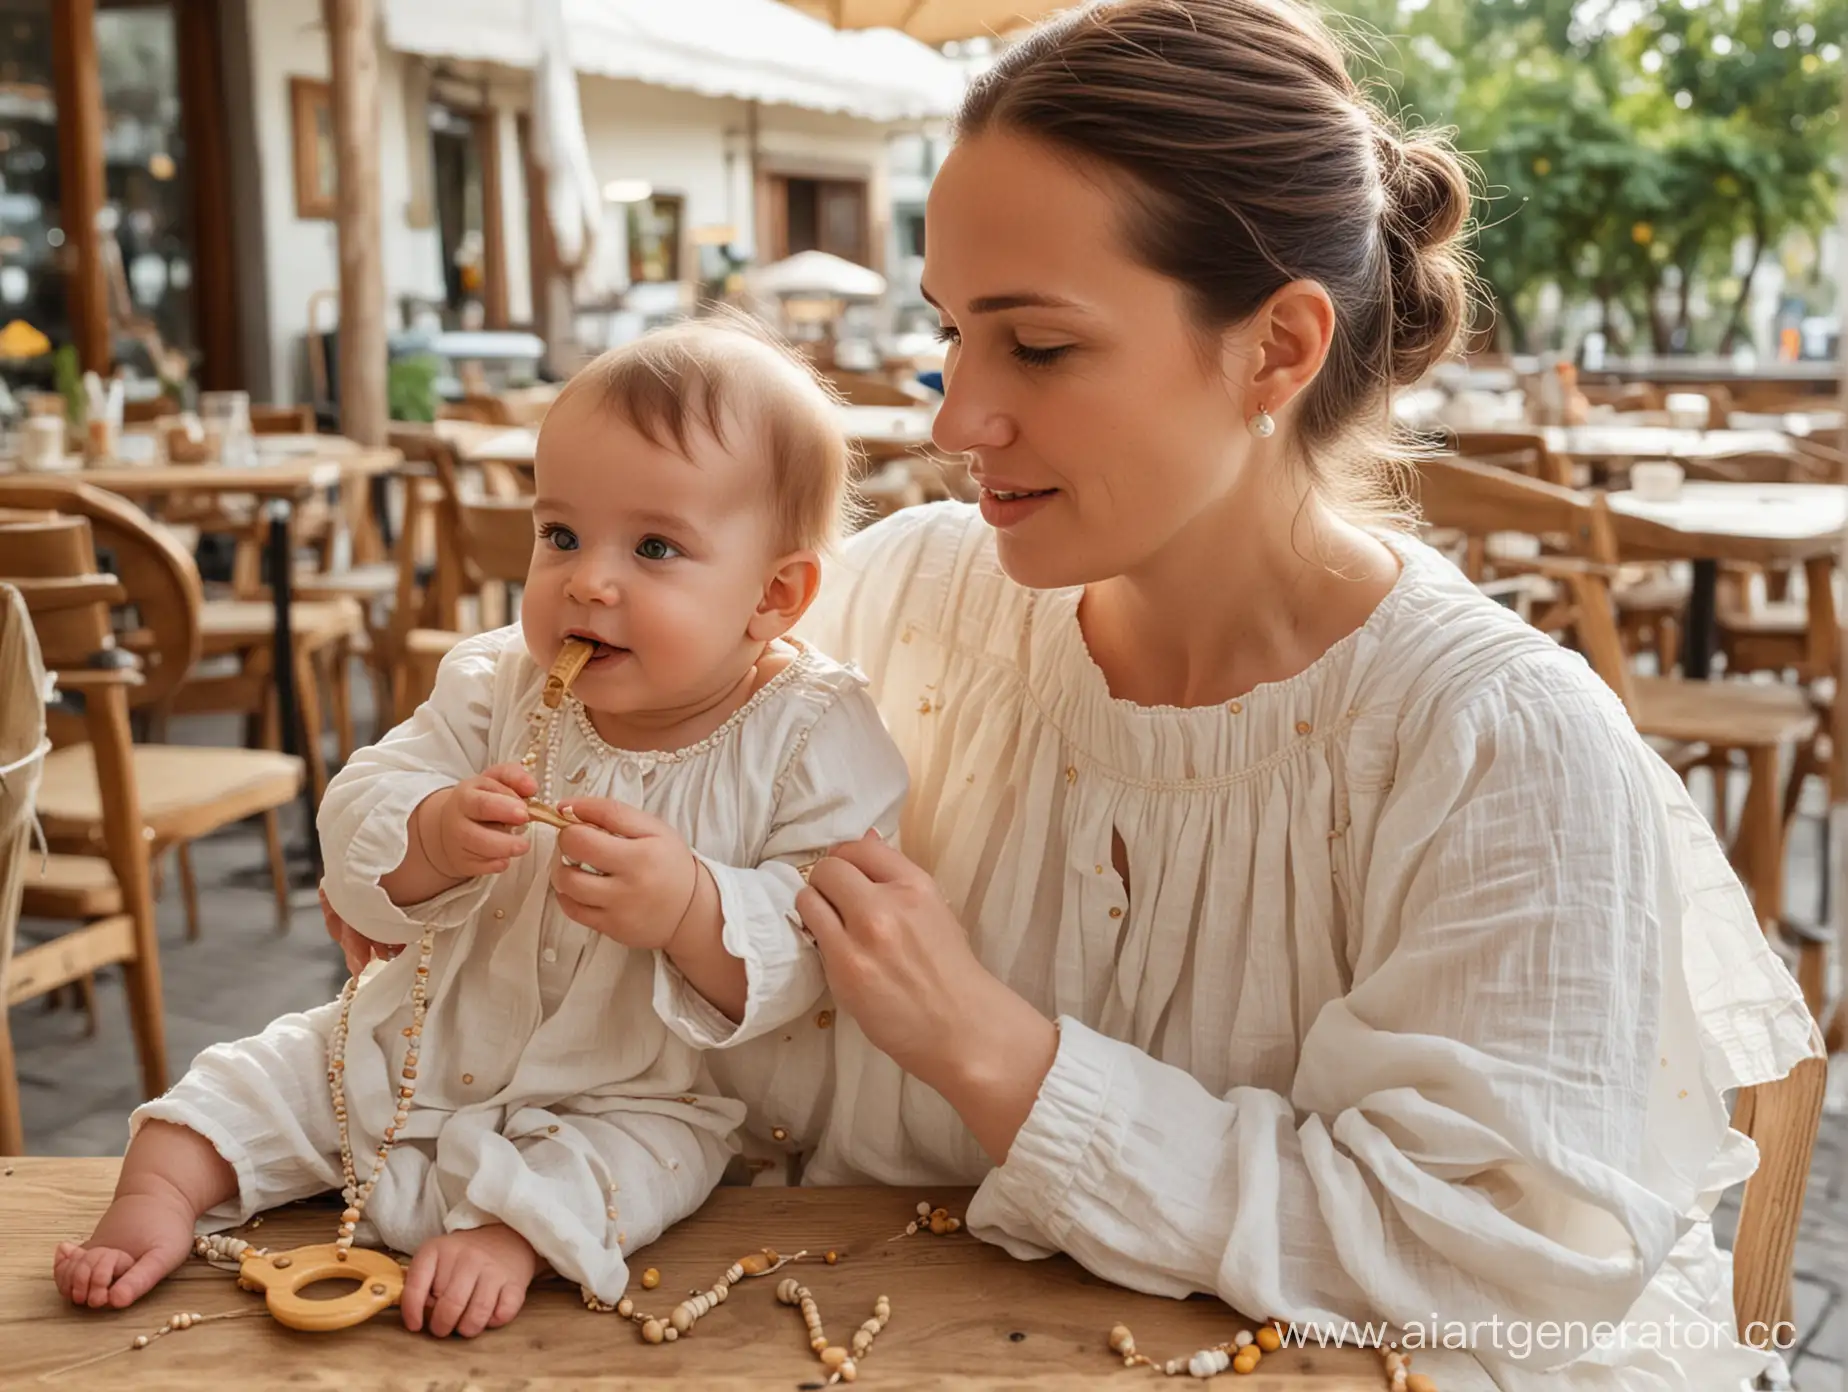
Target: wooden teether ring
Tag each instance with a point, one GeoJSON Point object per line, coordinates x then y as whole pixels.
{"type": "Point", "coordinates": [283, 1276]}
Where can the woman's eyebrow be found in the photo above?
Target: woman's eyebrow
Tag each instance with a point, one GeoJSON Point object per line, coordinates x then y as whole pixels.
{"type": "Point", "coordinates": [1018, 299]}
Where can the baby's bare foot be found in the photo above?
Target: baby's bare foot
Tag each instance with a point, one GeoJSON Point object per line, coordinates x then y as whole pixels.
{"type": "Point", "coordinates": [140, 1240]}
{"type": "Point", "coordinates": [465, 1282]}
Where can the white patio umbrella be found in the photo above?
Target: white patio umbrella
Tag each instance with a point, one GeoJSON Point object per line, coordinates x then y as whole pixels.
{"type": "Point", "coordinates": [932, 21]}
{"type": "Point", "coordinates": [817, 275]}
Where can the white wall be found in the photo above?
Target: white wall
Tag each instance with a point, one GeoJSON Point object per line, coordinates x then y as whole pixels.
{"type": "Point", "coordinates": [286, 40]}
{"type": "Point", "coordinates": [677, 141]}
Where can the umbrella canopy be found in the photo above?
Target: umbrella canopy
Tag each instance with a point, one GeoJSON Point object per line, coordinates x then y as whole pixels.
{"type": "Point", "coordinates": [932, 21]}
{"type": "Point", "coordinates": [817, 275]}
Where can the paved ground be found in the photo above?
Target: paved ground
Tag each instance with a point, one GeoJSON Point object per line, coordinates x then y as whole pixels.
{"type": "Point", "coordinates": [240, 974]}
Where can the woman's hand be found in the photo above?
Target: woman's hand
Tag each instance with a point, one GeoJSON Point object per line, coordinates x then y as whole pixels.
{"type": "Point", "coordinates": [356, 947]}
{"type": "Point", "coordinates": [901, 965]}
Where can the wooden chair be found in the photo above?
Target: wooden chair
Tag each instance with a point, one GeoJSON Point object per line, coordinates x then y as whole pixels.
{"type": "Point", "coordinates": [860, 389]}
{"type": "Point", "coordinates": [325, 632]}
{"type": "Point", "coordinates": [1759, 720]}
{"type": "Point", "coordinates": [186, 791]}
{"type": "Point", "coordinates": [52, 567]}
{"type": "Point", "coordinates": [1520, 451]}
{"type": "Point", "coordinates": [495, 544]}
{"type": "Point", "coordinates": [23, 746]}
{"type": "Point", "coordinates": [1782, 1118]}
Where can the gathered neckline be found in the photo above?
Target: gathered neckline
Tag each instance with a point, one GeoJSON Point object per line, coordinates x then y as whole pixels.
{"type": "Point", "coordinates": [800, 663]}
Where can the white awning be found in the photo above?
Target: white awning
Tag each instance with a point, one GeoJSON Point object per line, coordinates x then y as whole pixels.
{"type": "Point", "coordinates": [757, 50]}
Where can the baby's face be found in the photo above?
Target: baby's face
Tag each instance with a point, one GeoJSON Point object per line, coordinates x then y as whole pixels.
{"type": "Point", "coordinates": [660, 558]}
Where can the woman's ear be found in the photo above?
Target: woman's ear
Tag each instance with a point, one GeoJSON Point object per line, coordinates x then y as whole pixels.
{"type": "Point", "coordinates": [794, 582]}
{"type": "Point", "coordinates": [1277, 352]}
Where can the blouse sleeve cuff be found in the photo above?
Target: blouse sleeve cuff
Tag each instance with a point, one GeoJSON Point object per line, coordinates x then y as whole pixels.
{"type": "Point", "coordinates": [783, 975]}
{"type": "Point", "coordinates": [364, 848]}
{"type": "Point", "coordinates": [1025, 1197]}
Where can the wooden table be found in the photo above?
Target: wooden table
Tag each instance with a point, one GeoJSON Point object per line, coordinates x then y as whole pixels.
{"type": "Point", "coordinates": [965, 1315]}
{"type": "Point", "coordinates": [879, 431]}
{"type": "Point", "coordinates": [1758, 523]}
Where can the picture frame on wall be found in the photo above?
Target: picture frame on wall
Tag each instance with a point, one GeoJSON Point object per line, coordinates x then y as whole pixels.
{"type": "Point", "coordinates": [312, 122]}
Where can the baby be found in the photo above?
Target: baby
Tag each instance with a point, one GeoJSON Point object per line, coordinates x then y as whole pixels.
{"type": "Point", "coordinates": [561, 1114]}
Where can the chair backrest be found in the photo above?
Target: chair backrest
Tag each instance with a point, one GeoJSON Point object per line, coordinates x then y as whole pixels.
{"type": "Point", "coordinates": [1782, 1118]}
{"type": "Point", "coordinates": [859, 389]}
{"type": "Point", "coordinates": [1481, 501]}
{"type": "Point", "coordinates": [161, 581]}
{"type": "Point", "coordinates": [22, 758]}
{"type": "Point", "coordinates": [1518, 451]}
{"type": "Point", "coordinates": [497, 538]}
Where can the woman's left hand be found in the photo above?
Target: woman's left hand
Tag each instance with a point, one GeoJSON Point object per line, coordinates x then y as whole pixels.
{"type": "Point", "coordinates": [900, 963]}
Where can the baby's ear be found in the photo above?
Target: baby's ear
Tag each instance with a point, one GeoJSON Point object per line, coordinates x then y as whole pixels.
{"type": "Point", "coordinates": [794, 582]}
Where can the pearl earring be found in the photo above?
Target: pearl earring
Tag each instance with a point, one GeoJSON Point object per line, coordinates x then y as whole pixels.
{"type": "Point", "coordinates": [1263, 425]}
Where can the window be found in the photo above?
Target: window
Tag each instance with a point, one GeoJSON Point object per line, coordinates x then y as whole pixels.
{"type": "Point", "coordinates": [654, 239]}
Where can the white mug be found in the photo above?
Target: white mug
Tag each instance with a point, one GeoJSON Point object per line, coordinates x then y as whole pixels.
{"type": "Point", "coordinates": [1657, 480]}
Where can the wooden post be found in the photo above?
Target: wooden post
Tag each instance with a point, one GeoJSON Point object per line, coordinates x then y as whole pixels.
{"type": "Point", "coordinates": [80, 175]}
{"type": "Point", "coordinates": [493, 230]}
{"type": "Point", "coordinates": [352, 41]}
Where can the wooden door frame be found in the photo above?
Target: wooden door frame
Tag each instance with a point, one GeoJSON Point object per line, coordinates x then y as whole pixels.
{"type": "Point", "coordinates": [773, 212]}
{"type": "Point", "coordinates": [208, 156]}
{"type": "Point", "coordinates": [77, 89]}
{"type": "Point", "coordinates": [483, 119]}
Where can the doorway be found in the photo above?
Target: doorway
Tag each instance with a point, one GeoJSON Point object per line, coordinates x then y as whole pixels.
{"type": "Point", "coordinates": [132, 86]}
{"type": "Point", "coordinates": [820, 214]}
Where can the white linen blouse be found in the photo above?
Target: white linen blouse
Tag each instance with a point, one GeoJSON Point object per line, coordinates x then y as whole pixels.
{"type": "Point", "coordinates": [551, 1096]}
{"type": "Point", "coordinates": [1419, 1002]}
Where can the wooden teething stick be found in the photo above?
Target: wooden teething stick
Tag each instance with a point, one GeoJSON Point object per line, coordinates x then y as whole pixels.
{"type": "Point", "coordinates": [571, 659]}
{"type": "Point", "coordinates": [573, 654]}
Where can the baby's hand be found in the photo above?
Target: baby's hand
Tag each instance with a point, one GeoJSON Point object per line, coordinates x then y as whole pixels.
{"type": "Point", "coordinates": [647, 873]}
{"type": "Point", "coordinates": [469, 831]}
{"type": "Point", "coordinates": [140, 1240]}
{"type": "Point", "coordinates": [465, 1282]}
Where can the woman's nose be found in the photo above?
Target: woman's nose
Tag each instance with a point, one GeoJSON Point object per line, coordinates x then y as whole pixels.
{"type": "Point", "coordinates": [970, 418]}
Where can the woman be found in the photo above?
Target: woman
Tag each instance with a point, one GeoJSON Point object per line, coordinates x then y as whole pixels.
{"type": "Point", "coordinates": [1276, 917]}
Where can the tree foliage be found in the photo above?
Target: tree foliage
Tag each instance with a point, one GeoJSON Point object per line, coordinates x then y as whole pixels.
{"type": "Point", "coordinates": [1628, 149]}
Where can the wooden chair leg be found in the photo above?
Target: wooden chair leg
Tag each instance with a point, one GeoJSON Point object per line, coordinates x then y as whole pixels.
{"type": "Point", "coordinates": [1761, 834]}
{"type": "Point", "coordinates": [189, 890]}
{"type": "Point", "coordinates": [279, 868]}
{"type": "Point", "coordinates": [308, 697]}
{"type": "Point", "coordinates": [85, 987]}
{"type": "Point", "coordinates": [1806, 762]}
{"type": "Point", "coordinates": [12, 1128]}
{"type": "Point", "coordinates": [340, 695]}
{"type": "Point", "coordinates": [1835, 1037]}
{"type": "Point", "coordinates": [1667, 643]}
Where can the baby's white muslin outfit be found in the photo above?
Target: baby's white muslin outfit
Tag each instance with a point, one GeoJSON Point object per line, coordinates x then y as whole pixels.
{"type": "Point", "coordinates": [551, 1095]}
{"type": "Point", "coordinates": [1420, 995]}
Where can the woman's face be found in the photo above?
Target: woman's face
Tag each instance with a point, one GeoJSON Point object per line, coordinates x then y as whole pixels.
{"type": "Point", "coordinates": [1098, 425]}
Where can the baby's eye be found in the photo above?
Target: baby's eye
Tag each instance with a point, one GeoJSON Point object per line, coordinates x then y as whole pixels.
{"type": "Point", "coordinates": [656, 549]}
{"type": "Point", "coordinates": [561, 538]}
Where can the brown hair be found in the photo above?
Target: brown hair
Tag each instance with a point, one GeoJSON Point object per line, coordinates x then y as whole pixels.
{"type": "Point", "coordinates": [727, 375]}
{"type": "Point", "coordinates": [1255, 160]}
